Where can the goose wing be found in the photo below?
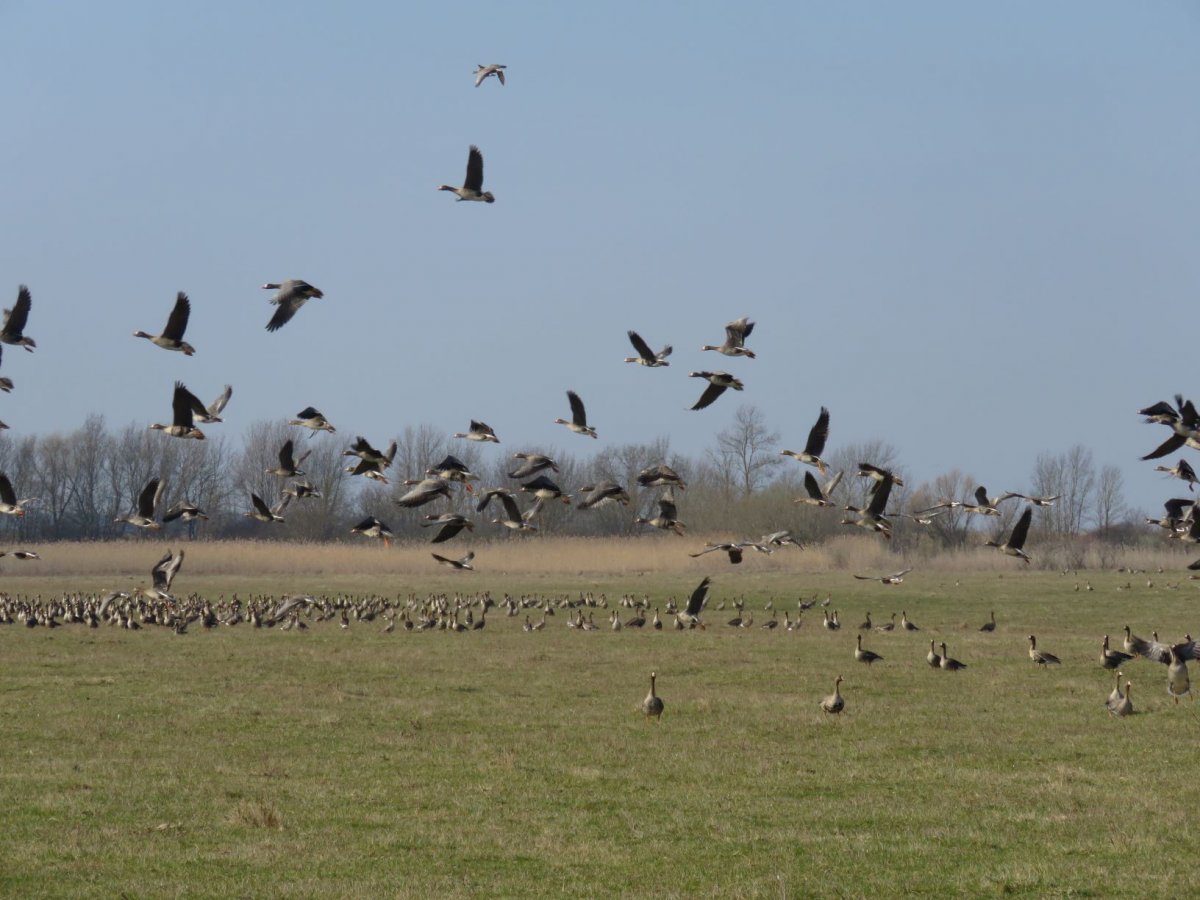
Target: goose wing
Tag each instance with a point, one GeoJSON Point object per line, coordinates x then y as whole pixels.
{"type": "Point", "coordinates": [183, 402]}
{"type": "Point", "coordinates": [286, 460]}
{"type": "Point", "coordinates": [449, 529]}
{"type": "Point", "coordinates": [14, 325]}
{"type": "Point", "coordinates": [168, 567]}
{"type": "Point", "coordinates": [178, 320]}
{"type": "Point", "coordinates": [222, 401]}
{"type": "Point", "coordinates": [879, 499]}
{"type": "Point", "coordinates": [1170, 445]}
{"type": "Point", "coordinates": [981, 497]}
{"type": "Point", "coordinates": [811, 487]}
{"type": "Point", "coordinates": [711, 393]}
{"type": "Point", "coordinates": [7, 494]}
{"type": "Point", "coordinates": [578, 414]}
{"type": "Point", "coordinates": [309, 412]}
{"type": "Point", "coordinates": [149, 497]}
{"type": "Point", "coordinates": [511, 510]}
{"type": "Point", "coordinates": [642, 348]}
{"type": "Point", "coordinates": [285, 310]}
{"type": "Point", "coordinates": [474, 179]}
{"type": "Point", "coordinates": [259, 506]}
{"type": "Point", "coordinates": [1017, 539]}
{"type": "Point", "coordinates": [699, 595]}
{"type": "Point", "coordinates": [818, 435]}
{"type": "Point", "coordinates": [666, 506]}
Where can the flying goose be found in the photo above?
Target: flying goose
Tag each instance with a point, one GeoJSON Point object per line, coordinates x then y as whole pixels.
{"type": "Point", "coordinates": [690, 617]}
{"type": "Point", "coordinates": [472, 188]}
{"type": "Point", "coordinates": [15, 319]}
{"type": "Point", "coordinates": [9, 504]}
{"type": "Point", "coordinates": [602, 492]}
{"type": "Point", "coordinates": [6, 384]}
{"type": "Point", "coordinates": [874, 517]}
{"type": "Point", "coordinates": [210, 414]}
{"type": "Point", "coordinates": [667, 518]}
{"type": "Point", "coordinates": [894, 578]}
{"type": "Point", "coordinates": [1016, 541]}
{"type": "Point", "coordinates": [834, 703]}
{"type": "Point", "coordinates": [452, 524]}
{"type": "Point", "coordinates": [878, 474]}
{"type": "Point", "coordinates": [289, 466]}
{"type": "Point", "coordinates": [183, 403]}
{"type": "Point", "coordinates": [264, 514]}
{"type": "Point", "coordinates": [1180, 511]}
{"type": "Point", "coordinates": [647, 357]}
{"type": "Point", "coordinates": [368, 469]}
{"type": "Point", "coordinates": [531, 464]}
{"type": "Point", "coordinates": [718, 382]}
{"type": "Point", "coordinates": [422, 492]}
{"type": "Point", "coordinates": [371, 527]}
{"type": "Point", "coordinates": [364, 451]}
{"type": "Point", "coordinates": [578, 423]}
{"type": "Point", "coordinates": [164, 573]}
{"type": "Point", "coordinates": [1112, 659]}
{"type": "Point", "coordinates": [185, 511]}
{"type": "Point", "coordinates": [148, 499]}
{"type": "Point", "coordinates": [865, 656]}
{"type": "Point", "coordinates": [736, 333]}
{"type": "Point", "coordinates": [1181, 470]}
{"type": "Point", "coordinates": [1041, 657]}
{"type": "Point", "coordinates": [652, 706]}
{"type": "Point", "coordinates": [302, 490]}
{"type": "Point", "coordinates": [20, 554]}
{"type": "Point", "coordinates": [545, 489]}
{"type": "Point", "coordinates": [1184, 423]}
{"type": "Point", "coordinates": [482, 73]}
{"type": "Point", "coordinates": [453, 469]}
{"type": "Point", "coordinates": [1037, 501]}
{"type": "Point", "coordinates": [989, 625]}
{"type": "Point", "coordinates": [985, 505]}
{"type": "Point", "coordinates": [817, 436]}
{"type": "Point", "coordinates": [172, 336]}
{"type": "Point", "coordinates": [512, 513]}
{"type": "Point", "coordinates": [734, 551]}
{"type": "Point", "coordinates": [292, 294]}
{"type": "Point", "coordinates": [777, 539]}
{"type": "Point", "coordinates": [660, 476]}
{"type": "Point", "coordinates": [460, 564]}
{"type": "Point", "coordinates": [479, 431]}
{"type": "Point", "coordinates": [949, 664]}
{"type": "Point", "coordinates": [818, 495]}
{"type": "Point", "coordinates": [309, 417]}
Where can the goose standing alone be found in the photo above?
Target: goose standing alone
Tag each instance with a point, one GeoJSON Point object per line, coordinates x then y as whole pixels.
{"type": "Point", "coordinates": [835, 702]}
{"type": "Point", "coordinates": [172, 336]}
{"type": "Point", "coordinates": [652, 706]}
{"type": "Point", "coordinates": [865, 656]}
{"type": "Point", "coordinates": [990, 625]}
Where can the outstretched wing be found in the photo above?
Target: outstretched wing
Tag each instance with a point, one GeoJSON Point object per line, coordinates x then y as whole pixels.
{"type": "Point", "coordinates": [149, 497]}
{"type": "Point", "coordinates": [642, 348]}
{"type": "Point", "coordinates": [19, 314]}
{"type": "Point", "coordinates": [221, 402]}
{"type": "Point", "coordinates": [699, 595]}
{"type": "Point", "coordinates": [182, 404]}
{"type": "Point", "coordinates": [178, 320]}
{"type": "Point", "coordinates": [578, 414]}
{"type": "Point", "coordinates": [711, 393]}
{"type": "Point", "coordinates": [1017, 540]}
{"type": "Point", "coordinates": [474, 179]}
{"type": "Point", "coordinates": [818, 435]}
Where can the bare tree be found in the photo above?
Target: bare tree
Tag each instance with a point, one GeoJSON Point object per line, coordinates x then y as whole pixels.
{"type": "Point", "coordinates": [746, 453]}
{"type": "Point", "coordinates": [1071, 476]}
{"type": "Point", "coordinates": [1109, 504]}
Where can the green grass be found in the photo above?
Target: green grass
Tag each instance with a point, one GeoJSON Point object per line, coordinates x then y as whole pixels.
{"type": "Point", "coordinates": [331, 763]}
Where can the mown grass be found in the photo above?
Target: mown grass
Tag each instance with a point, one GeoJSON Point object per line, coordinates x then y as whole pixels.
{"type": "Point", "coordinates": [500, 763]}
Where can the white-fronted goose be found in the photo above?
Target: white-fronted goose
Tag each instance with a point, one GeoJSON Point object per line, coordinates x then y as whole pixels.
{"type": "Point", "coordinates": [185, 511]}
{"type": "Point", "coordinates": [1123, 704]}
{"type": "Point", "coordinates": [482, 73]}
{"type": "Point", "coordinates": [778, 539]}
{"type": "Point", "coordinates": [667, 517]}
{"type": "Point", "coordinates": [289, 466]}
{"type": "Point", "coordinates": [371, 527]}
{"type": "Point", "coordinates": [878, 473]}
{"type": "Point", "coordinates": [874, 517]}
{"type": "Point", "coordinates": [472, 188]}
{"type": "Point", "coordinates": [815, 446]}
{"type": "Point", "coordinates": [736, 333]}
{"type": "Point", "coordinates": [652, 706]}
{"type": "Point", "coordinates": [164, 572]}
{"type": "Point", "coordinates": [479, 431]}
{"type": "Point", "coordinates": [15, 320]}
{"type": "Point", "coordinates": [1015, 544]}
{"type": "Point", "coordinates": [718, 382]}
{"type": "Point", "coordinates": [262, 513]}
{"type": "Point", "coordinates": [906, 623]}
{"type": "Point", "coordinates": [1112, 659]}
{"type": "Point", "coordinates": [1178, 683]}
{"type": "Point", "coordinates": [531, 464]}
{"type": "Point", "coordinates": [602, 492]}
{"type": "Point", "coordinates": [690, 617]}
{"type": "Point", "coordinates": [817, 495]}
{"type": "Point", "coordinates": [20, 554]}
{"type": "Point", "coordinates": [1038, 501]}
{"type": "Point", "coordinates": [660, 476]}
{"type": "Point", "coordinates": [460, 564]}
{"type": "Point", "coordinates": [865, 656]}
{"type": "Point", "coordinates": [1041, 657]}
{"type": "Point", "coordinates": [453, 469]}
{"type": "Point", "coordinates": [949, 664]}
{"type": "Point", "coordinates": [1182, 470]}
{"type": "Point", "coordinates": [894, 578]}
{"type": "Point", "coordinates": [512, 518]}
{"type": "Point", "coordinates": [368, 469]}
{"type": "Point", "coordinates": [734, 551]}
{"type": "Point", "coordinates": [990, 625]}
{"type": "Point", "coordinates": [1184, 423]}
{"type": "Point", "coordinates": [210, 414]}
{"type": "Point", "coordinates": [291, 295]}
{"type": "Point", "coordinates": [183, 403]}
{"type": "Point", "coordinates": [578, 423]}
{"type": "Point", "coordinates": [303, 490]}
{"type": "Point", "coordinates": [1116, 694]}
{"type": "Point", "coordinates": [311, 418]}
{"type": "Point", "coordinates": [9, 504]}
{"type": "Point", "coordinates": [834, 703]}
{"type": "Point", "coordinates": [364, 451]}
{"type": "Point", "coordinates": [452, 524]}
{"type": "Point", "coordinates": [985, 505]}
{"type": "Point", "coordinates": [866, 624]}
{"type": "Point", "coordinates": [932, 657]}
{"type": "Point", "coordinates": [172, 336]}
{"type": "Point", "coordinates": [647, 357]}
{"type": "Point", "coordinates": [422, 492]}
{"type": "Point", "coordinates": [887, 626]}
{"type": "Point", "coordinates": [143, 516]}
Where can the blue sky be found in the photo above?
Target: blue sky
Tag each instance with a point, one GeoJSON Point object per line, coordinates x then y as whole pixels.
{"type": "Point", "coordinates": [967, 229]}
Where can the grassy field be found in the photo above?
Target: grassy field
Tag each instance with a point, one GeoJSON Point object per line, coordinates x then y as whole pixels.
{"type": "Point", "coordinates": [237, 762]}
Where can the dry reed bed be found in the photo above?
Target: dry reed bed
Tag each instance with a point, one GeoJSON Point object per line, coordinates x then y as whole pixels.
{"type": "Point", "coordinates": [556, 557]}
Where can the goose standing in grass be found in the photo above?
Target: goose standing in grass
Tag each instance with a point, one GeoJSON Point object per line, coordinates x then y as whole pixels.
{"type": "Point", "coordinates": [472, 188]}
{"type": "Point", "coordinates": [652, 706]}
{"type": "Point", "coordinates": [647, 357]}
{"type": "Point", "coordinates": [1181, 470]}
{"type": "Point", "coordinates": [9, 504]}
{"type": "Point", "coordinates": [15, 320]}
{"type": "Point", "coordinates": [289, 466]}
{"type": "Point", "coordinates": [482, 73]}
{"type": "Point", "coordinates": [950, 664]}
{"type": "Point", "coordinates": [424, 491]}
{"type": "Point", "coordinates": [894, 578]}
{"type": "Point", "coordinates": [371, 527]}
{"type": "Point", "coordinates": [906, 623]}
{"type": "Point", "coordinates": [660, 476]}
{"type": "Point", "coordinates": [932, 657]}
{"type": "Point", "coordinates": [835, 702]}
{"type": "Point", "coordinates": [1041, 657]}
{"type": "Point", "coordinates": [818, 495]}
{"type": "Point", "coordinates": [463, 563]}
{"type": "Point", "coordinates": [667, 518]}
{"type": "Point", "coordinates": [736, 333]}
{"type": "Point", "coordinates": [451, 524]}
{"type": "Point", "coordinates": [815, 446]}
{"type": "Point", "coordinates": [311, 418]}
{"type": "Point", "coordinates": [143, 516]}
{"type": "Point", "coordinates": [290, 296]}
{"type": "Point", "coordinates": [578, 423]}
{"type": "Point", "coordinates": [172, 336]}
{"type": "Point", "coordinates": [531, 464]}
{"type": "Point", "coordinates": [1116, 694]}
{"type": "Point", "coordinates": [1112, 659]}
{"type": "Point", "coordinates": [211, 414]}
{"type": "Point", "coordinates": [718, 382]}
{"type": "Point", "coordinates": [262, 513]}
{"type": "Point", "coordinates": [865, 656]}
{"type": "Point", "coordinates": [602, 492]}
{"type": "Point", "coordinates": [183, 404]}
{"type": "Point", "coordinates": [1015, 544]}
{"type": "Point", "coordinates": [1123, 704]}
{"type": "Point", "coordinates": [479, 431]}
{"type": "Point", "coordinates": [990, 625]}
